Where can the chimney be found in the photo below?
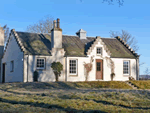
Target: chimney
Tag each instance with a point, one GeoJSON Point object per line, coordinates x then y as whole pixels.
{"type": "Point", "coordinates": [56, 35]}
{"type": "Point", "coordinates": [81, 34]}
{"type": "Point", "coordinates": [1, 42]}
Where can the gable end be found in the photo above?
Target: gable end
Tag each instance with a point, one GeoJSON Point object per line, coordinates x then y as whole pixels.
{"type": "Point", "coordinates": [17, 40]}
{"type": "Point", "coordinates": [96, 42]}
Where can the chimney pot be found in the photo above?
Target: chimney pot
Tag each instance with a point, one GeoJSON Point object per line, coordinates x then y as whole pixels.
{"type": "Point", "coordinates": [54, 24]}
{"type": "Point", "coordinates": [58, 23]}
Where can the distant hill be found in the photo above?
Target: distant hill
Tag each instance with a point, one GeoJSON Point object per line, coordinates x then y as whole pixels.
{"type": "Point", "coordinates": [144, 76]}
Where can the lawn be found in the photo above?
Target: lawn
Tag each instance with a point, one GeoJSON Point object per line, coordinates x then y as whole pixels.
{"type": "Point", "coordinates": [141, 84]}
{"type": "Point", "coordinates": [49, 97]}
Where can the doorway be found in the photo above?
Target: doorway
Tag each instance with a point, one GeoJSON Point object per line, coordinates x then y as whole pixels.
{"type": "Point", "coordinates": [3, 76]}
{"type": "Point", "coordinates": [99, 69]}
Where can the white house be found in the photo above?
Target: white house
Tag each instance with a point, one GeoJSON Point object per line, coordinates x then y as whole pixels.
{"type": "Point", "coordinates": [26, 52]}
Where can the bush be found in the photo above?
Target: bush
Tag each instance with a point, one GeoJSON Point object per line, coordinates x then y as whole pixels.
{"type": "Point", "coordinates": [35, 76]}
{"type": "Point", "coordinates": [57, 68]}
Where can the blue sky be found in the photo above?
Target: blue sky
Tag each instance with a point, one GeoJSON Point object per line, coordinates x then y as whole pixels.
{"type": "Point", "coordinates": [95, 17]}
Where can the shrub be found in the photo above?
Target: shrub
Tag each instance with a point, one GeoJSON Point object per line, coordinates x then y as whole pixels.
{"type": "Point", "coordinates": [57, 68]}
{"type": "Point", "coordinates": [35, 76]}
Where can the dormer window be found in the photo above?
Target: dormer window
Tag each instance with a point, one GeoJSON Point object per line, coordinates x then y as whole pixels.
{"type": "Point", "coordinates": [99, 50]}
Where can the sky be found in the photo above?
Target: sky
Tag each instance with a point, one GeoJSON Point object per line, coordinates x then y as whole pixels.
{"type": "Point", "coordinates": [94, 16]}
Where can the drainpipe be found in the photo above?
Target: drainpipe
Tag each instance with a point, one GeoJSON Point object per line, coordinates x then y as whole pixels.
{"type": "Point", "coordinates": [27, 66]}
{"type": "Point", "coordinates": [137, 68]}
{"type": "Point", "coordinates": [66, 70]}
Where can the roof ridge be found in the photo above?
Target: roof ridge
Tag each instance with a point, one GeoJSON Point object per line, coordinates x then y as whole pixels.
{"type": "Point", "coordinates": [69, 35]}
{"type": "Point", "coordinates": [31, 32]}
{"type": "Point", "coordinates": [107, 38]}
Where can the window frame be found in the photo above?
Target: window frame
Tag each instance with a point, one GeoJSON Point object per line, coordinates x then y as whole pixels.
{"type": "Point", "coordinates": [76, 67]}
{"type": "Point", "coordinates": [41, 68]}
{"type": "Point", "coordinates": [11, 66]}
{"type": "Point", "coordinates": [97, 51]}
{"type": "Point", "coordinates": [128, 67]}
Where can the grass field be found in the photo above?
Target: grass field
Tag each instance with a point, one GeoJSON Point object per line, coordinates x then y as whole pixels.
{"type": "Point", "coordinates": [142, 84]}
{"type": "Point", "coordinates": [67, 97]}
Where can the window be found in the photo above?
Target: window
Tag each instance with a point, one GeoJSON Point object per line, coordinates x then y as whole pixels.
{"type": "Point", "coordinates": [126, 67]}
{"type": "Point", "coordinates": [98, 66]}
{"type": "Point", "coordinates": [99, 51]}
{"type": "Point", "coordinates": [11, 66]}
{"type": "Point", "coordinates": [40, 63]}
{"type": "Point", "coordinates": [73, 67]}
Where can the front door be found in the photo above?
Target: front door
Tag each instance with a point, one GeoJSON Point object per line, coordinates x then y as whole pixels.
{"type": "Point", "coordinates": [3, 76]}
{"type": "Point", "coordinates": [99, 69]}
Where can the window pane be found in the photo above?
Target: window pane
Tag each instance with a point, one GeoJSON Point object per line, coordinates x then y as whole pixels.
{"type": "Point", "coordinates": [126, 67]}
{"type": "Point", "coordinates": [98, 66]}
{"type": "Point", "coordinates": [40, 63]}
{"type": "Point", "coordinates": [99, 50]}
{"type": "Point", "coordinates": [73, 66]}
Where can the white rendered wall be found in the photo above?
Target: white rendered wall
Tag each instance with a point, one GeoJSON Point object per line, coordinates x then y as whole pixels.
{"type": "Point", "coordinates": [13, 52]}
{"type": "Point", "coordinates": [119, 69]}
{"type": "Point", "coordinates": [45, 75]}
{"type": "Point", "coordinates": [92, 75]}
{"type": "Point", "coordinates": [106, 69]}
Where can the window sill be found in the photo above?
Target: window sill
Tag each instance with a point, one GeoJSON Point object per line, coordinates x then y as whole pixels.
{"type": "Point", "coordinates": [40, 69]}
{"type": "Point", "coordinates": [126, 75]}
{"type": "Point", "coordinates": [73, 75]}
{"type": "Point", "coordinates": [99, 54]}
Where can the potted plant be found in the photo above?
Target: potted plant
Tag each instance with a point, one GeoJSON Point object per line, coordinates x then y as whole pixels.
{"type": "Point", "coordinates": [35, 76]}
{"type": "Point", "coordinates": [112, 76]}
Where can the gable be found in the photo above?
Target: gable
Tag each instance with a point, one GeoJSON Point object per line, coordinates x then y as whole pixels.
{"type": "Point", "coordinates": [13, 47]}
{"type": "Point", "coordinates": [98, 43]}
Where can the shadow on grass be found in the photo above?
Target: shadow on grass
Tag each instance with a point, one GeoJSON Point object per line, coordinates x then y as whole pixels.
{"type": "Point", "coordinates": [42, 85]}
{"type": "Point", "coordinates": [48, 106]}
{"type": "Point", "coordinates": [104, 102]}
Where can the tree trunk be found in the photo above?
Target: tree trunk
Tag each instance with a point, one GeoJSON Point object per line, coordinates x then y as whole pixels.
{"type": "Point", "coordinates": [86, 78]}
{"type": "Point", "coordinates": [111, 78]}
{"type": "Point", "coordinates": [56, 76]}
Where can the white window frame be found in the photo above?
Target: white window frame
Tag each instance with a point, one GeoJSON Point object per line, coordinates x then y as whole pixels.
{"type": "Point", "coordinates": [76, 66]}
{"type": "Point", "coordinates": [37, 62]}
{"type": "Point", "coordinates": [97, 51]}
{"type": "Point", "coordinates": [12, 66]}
{"type": "Point", "coordinates": [128, 67]}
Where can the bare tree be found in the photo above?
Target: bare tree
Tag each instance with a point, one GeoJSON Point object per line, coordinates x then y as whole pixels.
{"type": "Point", "coordinates": [147, 72]}
{"type": "Point", "coordinates": [120, 2]}
{"type": "Point", "coordinates": [6, 35]}
{"type": "Point", "coordinates": [127, 37]}
{"type": "Point", "coordinates": [43, 26]}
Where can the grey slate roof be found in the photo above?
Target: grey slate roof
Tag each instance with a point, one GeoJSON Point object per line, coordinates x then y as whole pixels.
{"type": "Point", "coordinates": [40, 44]}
